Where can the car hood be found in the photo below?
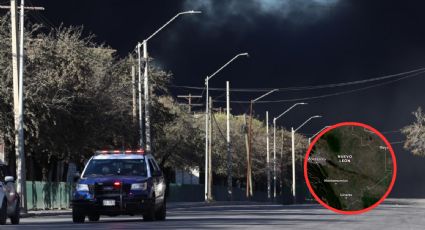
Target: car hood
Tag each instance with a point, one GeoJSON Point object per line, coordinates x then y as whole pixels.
{"type": "Point", "coordinates": [111, 179]}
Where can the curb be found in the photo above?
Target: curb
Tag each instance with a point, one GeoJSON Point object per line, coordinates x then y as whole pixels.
{"type": "Point", "coordinates": [42, 213]}
{"type": "Point", "coordinates": [182, 205]}
{"type": "Point", "coordinates": [171, 205]}
{"type": "Point", "coordinates": [46, 213]}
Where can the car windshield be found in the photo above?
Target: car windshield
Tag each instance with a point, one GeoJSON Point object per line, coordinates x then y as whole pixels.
{"type": "Point", "coordinates": [116, 167]}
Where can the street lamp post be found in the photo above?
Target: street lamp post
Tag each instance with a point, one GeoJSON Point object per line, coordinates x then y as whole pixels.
{"type": "Point", "coordinates": [274, 144]}
{"type": "Point", "coordinates": [293, 154]}
{"type": "Point", "coordinates": [248, 168]}
{"type": "Point", "coordinates": [310, 138]}
{"type": "Point", "coordinates": [139, 88]}
{"type": "Point", "coordinates": [207, 115]}
{"type": "Point", "coordinates": [268, 156]}
{"type": "Point", "coordinates": [146, 83]}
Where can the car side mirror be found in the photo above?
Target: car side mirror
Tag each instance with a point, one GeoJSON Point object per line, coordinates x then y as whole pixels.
{"type": "Point", "coordinates": [76, 176]}
{"type": "Point", "coordinates": [8, 179]}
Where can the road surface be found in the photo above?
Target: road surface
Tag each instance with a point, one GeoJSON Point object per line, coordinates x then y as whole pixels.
{"type": "Point", "coordinates": [393, 214]}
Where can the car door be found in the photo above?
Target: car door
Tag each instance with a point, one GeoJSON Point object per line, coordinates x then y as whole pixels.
{"type": "Point", "coordinates": [2, 185]}
{"type": "Point", "coordinates": [157, 180]}
{"type": "Point", "coordinates": [160, 179]}
{"type": "Point", "coordinates": [9, 188]}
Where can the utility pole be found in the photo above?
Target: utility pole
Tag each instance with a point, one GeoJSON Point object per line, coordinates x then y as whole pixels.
{"type": "Point", "coordinates": [293, 165]}
{"type": "Point", "coordinates": [229, 153]}
{"type": "Point", "coordinates": [209, 195]}
{"type": "Point", "coordinates": [281, 165]}
{"type": "Point", "coordinates": [15, 71]}
{"type": "Point", "coordinates": [20, 163]}
{"type": "Point", "coordinates": [189, 98]}
{"type": "Point", "coordinates": [208, 115]}
{"type": "Point", "coordinates": [247, 154]}
{"type": "Point", "coordinates": [16, 100]}
{"type": "Point", "coordinates": [274, 143]}
{"type": "Point", "coordinates": [146, 78]}
{"type": "Point", "coordinates": [139, 86]}
{"type": "Point", "coordinates": [207, 142]}
{"type": "Point", "coordinates": [147, 99]}
{"type": "Point", "coordinates": [248, 176]}
{"type": "Point", "coordinates": [18, 96]}
{"type": "Point", "coordinates": [133, 86]}
{"type": "Point", "coordinates": [268, 156]}
{"type": "Point", "coordinates": [249, 172]}
{"type": "Point", "coordinates": [190, 103]}
{"type": "Point", "coordinates": [274, 159]}
{"type": "Point", "coordinates": [293, 155]}
{"type": "Point", "coordinates": [146, 85]}
{"type": "Point", "coordinates": [2, 153]}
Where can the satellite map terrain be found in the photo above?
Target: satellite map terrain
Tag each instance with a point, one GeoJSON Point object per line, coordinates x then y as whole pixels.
{"type": "Point", "coordinates": [350, 168]}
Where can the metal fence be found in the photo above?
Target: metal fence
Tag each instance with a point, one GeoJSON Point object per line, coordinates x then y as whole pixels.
{"type": "Point", "coordinates": [195, 193]}
{"type": "Point", "coordinates": [56, 195]}
{"type": "Point", "coordinates": [48, 195]}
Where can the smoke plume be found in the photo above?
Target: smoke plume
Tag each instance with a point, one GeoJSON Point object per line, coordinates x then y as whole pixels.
{"type": "Point", "coordinates": [219, 12]}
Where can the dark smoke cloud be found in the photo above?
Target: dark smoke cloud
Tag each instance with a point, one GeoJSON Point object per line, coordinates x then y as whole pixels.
{"type": "Point", "coordinates": [295, 11]}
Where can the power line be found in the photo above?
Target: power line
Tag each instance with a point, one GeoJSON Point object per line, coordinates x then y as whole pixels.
{"type": "Point", "coordinates": [202, 94]}
{"type": "Point", "coordinates": [383, 132]}
{"type": "Point", "coordinates": [391, 131]}
{"type": "Point", "coordinates": [330, 94]}
{"type": "Point", "coordinates": [26, 8]}
{"type": "Point", "coordinates": [300, 88]}
{"type": "Point", "coordinates": [220, 96]}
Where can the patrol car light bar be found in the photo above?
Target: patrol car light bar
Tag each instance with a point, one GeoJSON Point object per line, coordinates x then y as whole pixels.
{"type": "Point", "coordinates": [138, 151]}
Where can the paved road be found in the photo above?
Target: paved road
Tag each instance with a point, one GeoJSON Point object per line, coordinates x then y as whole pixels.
{"type": "Point", "coordinates": [394, 214]}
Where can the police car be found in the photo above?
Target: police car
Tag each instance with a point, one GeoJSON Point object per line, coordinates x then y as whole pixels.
{"type": "Point", "coordinates": [120, 182]}
{"type": "Point", "coordinates": [9, 199]}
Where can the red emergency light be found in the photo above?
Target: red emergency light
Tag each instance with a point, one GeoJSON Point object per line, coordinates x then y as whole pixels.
{"type": "Point", "coordinates": [138, 151]}
{"type": "Point", "coordinates": [117, 184]}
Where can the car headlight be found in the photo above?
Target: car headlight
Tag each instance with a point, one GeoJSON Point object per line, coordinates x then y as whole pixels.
{"type": "Point", "coordinates": [139, 186]}
{"type": "Point", "coordinates": [82, 188]}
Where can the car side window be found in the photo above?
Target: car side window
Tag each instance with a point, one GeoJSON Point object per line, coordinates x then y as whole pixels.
{"type": "Point", "coordinates": [156, 165]}
{"type": "Point", "coordinates": [153, 167]}
{"type": "Point", "coordinates": [6, 171]}
{"type": "Point", "coordinates": [2, 170]}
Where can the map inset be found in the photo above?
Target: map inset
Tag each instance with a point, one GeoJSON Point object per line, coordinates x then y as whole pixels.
{"type": "Point", "coordinates": [350, 168]}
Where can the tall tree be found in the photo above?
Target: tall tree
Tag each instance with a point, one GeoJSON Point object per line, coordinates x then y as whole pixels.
{"type": "Point", "coordinates": [415, 134]}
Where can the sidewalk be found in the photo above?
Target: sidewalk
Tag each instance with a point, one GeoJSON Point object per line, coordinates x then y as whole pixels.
{"type": "Point", "coordinates": [172, 205]}
{"type": "Point", "coordinates": [55, 212]}
{"type": "Point", "coordinates": [183, 205]}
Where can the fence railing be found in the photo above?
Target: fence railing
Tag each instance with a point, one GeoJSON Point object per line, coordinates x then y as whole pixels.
{"type": "Point", "coordinates": [56, 195]}
{"type": "Point", "coordinates": [48, 195]}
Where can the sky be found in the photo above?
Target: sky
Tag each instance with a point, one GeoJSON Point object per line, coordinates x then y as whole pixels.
{"type": "Point", "coordinates": [291, 43]}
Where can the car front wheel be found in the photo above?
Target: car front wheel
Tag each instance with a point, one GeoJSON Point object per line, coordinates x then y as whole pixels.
{"type": "Point", "coordinates": [149, 212]}
{"type": "Point", "coordinates": [3, 212]}
{"type": "Point", "coordinates": [77, 215]}
{"type": "Point", "coordinates": [94, 217]}
{"type": "Point", "coordinates": [17, 214]}
{"type": "Point", "coordinates": [161, 213]}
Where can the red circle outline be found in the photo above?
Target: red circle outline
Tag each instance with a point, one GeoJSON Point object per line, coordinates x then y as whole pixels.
{"type": "Point", "coordinates": [392, 156]}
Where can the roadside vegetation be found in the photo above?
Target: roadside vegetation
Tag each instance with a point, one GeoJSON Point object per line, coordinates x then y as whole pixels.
{"type": "Point", "coordinates": [78, 99]}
